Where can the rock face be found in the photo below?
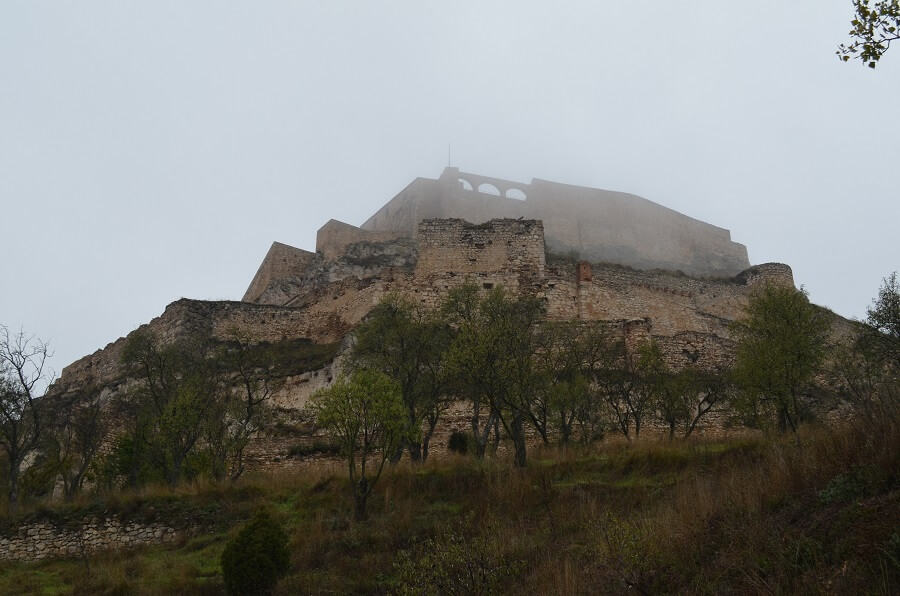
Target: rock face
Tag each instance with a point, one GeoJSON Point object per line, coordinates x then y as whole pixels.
{"type": "Point", "coordinates": [597, 225]}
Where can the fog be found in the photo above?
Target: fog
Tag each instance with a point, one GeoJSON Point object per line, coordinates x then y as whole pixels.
{"type": "Point", "coordinates": [150, 151]}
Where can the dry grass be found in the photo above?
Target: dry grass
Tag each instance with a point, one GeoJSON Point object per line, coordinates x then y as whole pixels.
{"type": "Point", "coordinates": [747, 514]}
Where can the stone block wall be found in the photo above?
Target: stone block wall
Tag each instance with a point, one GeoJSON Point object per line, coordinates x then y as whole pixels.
{"type": "Point", "coordinates": [514, 248]}
{"type": "Point", "coordinates": [600, 225]}
{"type": "Point", "coordinates": [40, 540]}
{"type": "Point", "coordinates": [281, 262]}
{"type": "Point", "coordinates": [333, 239]}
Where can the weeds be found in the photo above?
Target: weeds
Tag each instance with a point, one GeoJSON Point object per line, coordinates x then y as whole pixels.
{"type": "Point", "coordinates": [747, 514]}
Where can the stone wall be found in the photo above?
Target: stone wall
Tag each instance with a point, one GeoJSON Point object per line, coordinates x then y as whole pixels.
{"type": "Point", "coordinates": [40, 540]}
{"type": "Point", "coordinates": [281, 262]}
{"type": "Point", "coordinates": [333, 239]}
{"type": "Point", "coordinates": [599, 225]}
{"type": "Point", "coordinates": [255, 322]}
{"type": "Point", "coordinates": [514, 249]}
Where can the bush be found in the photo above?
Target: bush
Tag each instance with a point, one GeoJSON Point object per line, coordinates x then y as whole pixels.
{"type": "Point", "coordinates": [455, 563]}
{"type": "Point", "coordinates": [255, 559]}
{"type": "Point", "coordinates": [461, 442]}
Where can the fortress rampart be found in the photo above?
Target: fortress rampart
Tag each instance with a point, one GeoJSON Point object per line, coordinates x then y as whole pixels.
{"type": "Point", "coordinates": [597, 225]}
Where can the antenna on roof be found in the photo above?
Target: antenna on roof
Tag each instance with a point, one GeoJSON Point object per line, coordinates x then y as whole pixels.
{"type": "Point", "coordinates": [448, 155]}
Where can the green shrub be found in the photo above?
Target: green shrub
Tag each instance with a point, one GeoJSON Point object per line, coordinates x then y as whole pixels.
{"type": "Point", "coordinates": [844, 487]}
{"type": "Point", "coordinates": [255, 559]}
{"type": "Point", "coordinates": [461, 442]}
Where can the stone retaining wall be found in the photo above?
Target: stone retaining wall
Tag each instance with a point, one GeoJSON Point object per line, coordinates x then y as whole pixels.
{"type": "Point", "coordinates": [40, 540]}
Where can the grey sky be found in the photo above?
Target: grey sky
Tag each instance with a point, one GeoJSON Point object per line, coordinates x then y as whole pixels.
{"type": "Point", "coordinates": [150, 151]}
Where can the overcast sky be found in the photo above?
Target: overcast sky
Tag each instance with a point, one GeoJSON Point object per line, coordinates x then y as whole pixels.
{"type": "Point", "coordinates": [151, 151]}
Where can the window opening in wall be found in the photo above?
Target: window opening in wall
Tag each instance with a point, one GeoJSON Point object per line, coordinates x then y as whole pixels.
{"type": "Point", "coordinates": [515, 193]}
{"type": "Point", "coordinates": [465, 184]}
{"type": "Point", "coordinates": [489, 189]}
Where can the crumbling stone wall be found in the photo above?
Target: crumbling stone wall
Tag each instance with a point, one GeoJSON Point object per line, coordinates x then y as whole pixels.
{"type": "Point", "coordinates": [40, 540]}
{"type": "Point", "coordinates": [511, 250]}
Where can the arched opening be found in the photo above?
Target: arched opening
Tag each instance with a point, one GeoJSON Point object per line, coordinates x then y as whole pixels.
{"type": "Point", "coordinates": [465, 184]}
{"type": "Point", "coordinates": [489, 189]}
{"type": "Point", "coordinates": [515, 193]}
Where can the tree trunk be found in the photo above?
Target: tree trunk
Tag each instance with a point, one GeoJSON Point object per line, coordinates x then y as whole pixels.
{"type": "Point", "coordinates": [174, 473]}
{"type": "Point", "coordinates": [415, 452]}
{"type": "Point", "coordinates": [426, 440]}
{"type": "Point", "coordinates": [360, 496]}
{"type": "Point", "coordinates": [396, 455]}
{"type": "Point", "coordinates": [518, 437]}
{"type": "Point", "coordinates": [14, 486]}
{"type": "Point", "coordinates": [481, 436]}
{"type": "Point", "coordinates": [496, 435]}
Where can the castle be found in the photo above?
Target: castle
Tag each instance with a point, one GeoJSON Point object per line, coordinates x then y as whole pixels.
{"type": "Point", "coordinates": [596, 225]}
{"type": "Point", "coordinates": [589, 254]}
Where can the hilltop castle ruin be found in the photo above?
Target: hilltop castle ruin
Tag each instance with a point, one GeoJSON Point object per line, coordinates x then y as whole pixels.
{"type": "Point", "coordinates": [591, 255]}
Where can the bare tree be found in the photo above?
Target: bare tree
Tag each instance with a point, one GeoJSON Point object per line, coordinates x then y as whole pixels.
{"type": "Point", "coordinates": [23, 359]}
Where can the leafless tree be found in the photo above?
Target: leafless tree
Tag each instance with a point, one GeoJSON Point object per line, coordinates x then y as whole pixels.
{"type": "Point", "coordinates": [23, 360]}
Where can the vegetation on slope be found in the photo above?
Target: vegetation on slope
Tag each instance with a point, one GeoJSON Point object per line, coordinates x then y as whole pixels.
{"type": "Point", "coordinates": [749, 514]}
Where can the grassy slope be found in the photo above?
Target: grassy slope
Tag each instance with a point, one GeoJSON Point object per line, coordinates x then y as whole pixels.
{"type": "Point", "coordinates": [745, 515]}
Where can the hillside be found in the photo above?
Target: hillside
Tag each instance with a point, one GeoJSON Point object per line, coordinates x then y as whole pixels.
{"type": "Point", "coordinates": [747, 514]}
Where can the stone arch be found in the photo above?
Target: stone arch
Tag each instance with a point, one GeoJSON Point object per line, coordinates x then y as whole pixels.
{"type": "Point", "coordinates": [516, 194]}
{"type": "Point", "coordinates": [489, 189]}
{"type": "Point", "coordinates": [466, 185]}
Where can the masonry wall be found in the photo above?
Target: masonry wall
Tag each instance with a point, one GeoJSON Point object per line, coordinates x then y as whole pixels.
{"type": "Point", "coordinates": [281, 262]}
{"type": "Point", "coordinates": [600, 225]}
{"type": "Point", "coordinates": [334, 238]}
{"type": "Point", "coordinates": [40, 540]}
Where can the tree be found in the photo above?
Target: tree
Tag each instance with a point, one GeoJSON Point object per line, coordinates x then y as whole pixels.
{"type": "Point", "coordinates": [22, 414]}
{"type": "Point", "coordinates": [461, 308]}
{"type": "Point", "coordinates": [874, 28]}
{"type": "Point", "coordinates": [492, 357]}
{"type": "Point", "coordinates": [672, 391]}
{"type": "Point", "coordinates": [404, 342]}
{"type": "Point", "coordinates": [867, 369]}
{"type": "Point", "coordinates": [178, 384]}
{"type": "Point", "coordinates": [239, 411]}
{"type": "Point", "coordinates": [713, 388]}
{"type": "Point", "coordinates": [368, 419]}
{"type": "Point", "coordinates": [570, 353]}
{"type": "Point", "coordinates": [619, 377]}
{"type": "Point", "coordinates": [781, 345]}
{"type": "Point", "coordinates": [78, 430]}
{"type": "Point", "coordinates": [884, 321]}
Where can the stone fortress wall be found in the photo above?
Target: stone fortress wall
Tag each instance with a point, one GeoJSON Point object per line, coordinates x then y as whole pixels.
{"type": "Point", "coordinates": [321, 296]}
{"type": "Point", "coordinates": [598, 225]}
{"type": "Point", "coordinates": [322, 299]}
